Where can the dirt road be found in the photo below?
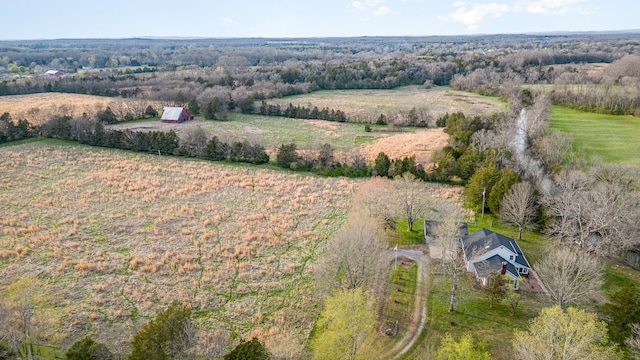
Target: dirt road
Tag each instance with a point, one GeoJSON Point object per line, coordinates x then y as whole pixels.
{"type": "Point", "coordinates": [419, 315]}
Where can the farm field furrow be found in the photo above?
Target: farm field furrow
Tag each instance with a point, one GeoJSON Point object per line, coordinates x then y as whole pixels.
{"type": "Point", "coordinates": [111, 236]}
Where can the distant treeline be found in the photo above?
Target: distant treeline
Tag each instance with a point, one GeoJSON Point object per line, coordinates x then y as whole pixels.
{"type": "Point", "coordinates": [177, 71]}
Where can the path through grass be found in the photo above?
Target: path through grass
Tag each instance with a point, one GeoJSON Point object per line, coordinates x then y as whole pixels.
{"type": "Point", "coordinates": [400, 300]}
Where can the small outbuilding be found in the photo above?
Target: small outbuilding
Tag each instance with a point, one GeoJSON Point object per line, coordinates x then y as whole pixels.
{"type": "Point", "coordinates": [429, 225]}
{"type": "Point", "coordinates": [54, 73]}
{"type": "Point", "coordinates": [174, 115]}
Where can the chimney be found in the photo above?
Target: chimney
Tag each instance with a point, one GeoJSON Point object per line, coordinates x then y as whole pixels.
{"type": "Point", "coordinates": [504, 268]}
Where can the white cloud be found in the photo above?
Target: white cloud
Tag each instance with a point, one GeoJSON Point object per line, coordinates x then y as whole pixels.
{"type": "Point", "coordinates": [373, 7]}
{"type": "Point", "coordinates": [473, 15]}
{"type": "Point", "coordinates": [553, 7]}
{"type": "Point", "coordinates": [382, 10]}
{"type": "Point", "coordinates": [357, 5]}
{"type": "Point", "coordinates": [226, 20]}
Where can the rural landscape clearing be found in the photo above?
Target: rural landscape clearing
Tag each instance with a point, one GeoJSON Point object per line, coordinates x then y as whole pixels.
{"type": "Point", "coordinates": [413, 198]}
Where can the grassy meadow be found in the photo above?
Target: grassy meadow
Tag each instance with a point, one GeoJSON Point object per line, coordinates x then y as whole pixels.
{"type": "Point", "coordinates": [111, 236]}
{"type": "Point", "coordinates": [369, 104]}
{"type": "Point", "coordinates": [309, 135]}
{"type": "Point", "coordinates": [613, 138]}
{"type": "Point", "coordinates": [38, 108]}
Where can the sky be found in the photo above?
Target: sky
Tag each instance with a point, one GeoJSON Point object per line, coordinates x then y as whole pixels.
{"type": "Point", "coordinates": [40, 19]}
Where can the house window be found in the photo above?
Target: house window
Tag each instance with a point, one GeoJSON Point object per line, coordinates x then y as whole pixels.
{"type": "Point", "coordinates": [511, 257]}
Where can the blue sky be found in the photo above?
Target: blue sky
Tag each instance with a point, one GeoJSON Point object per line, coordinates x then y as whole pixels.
{"type": "Point", "coordinates": [38, 19]}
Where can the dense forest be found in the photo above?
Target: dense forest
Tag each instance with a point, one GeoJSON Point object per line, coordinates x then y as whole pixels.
{"type": "Point", "coordinates": [237, 71]}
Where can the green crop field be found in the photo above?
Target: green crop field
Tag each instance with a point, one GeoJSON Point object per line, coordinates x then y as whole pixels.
{"type": "Point", "coordinates": [611, 137]}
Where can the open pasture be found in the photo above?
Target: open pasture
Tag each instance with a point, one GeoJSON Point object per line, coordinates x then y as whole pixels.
{"type": "Point", "coordinates": [38, 108]}
{"type": "Point", "coordinates": [614, 138]}
{"type": "Point", "coordinates": [113, 236]}
{"type": "Point", "coordinates": [271, 132]}
{"type": "Point", "coordinates": [367, 105]}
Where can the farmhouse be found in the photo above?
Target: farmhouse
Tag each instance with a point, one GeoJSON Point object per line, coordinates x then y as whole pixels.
{"type": "Point", "coordinates": [485, 251]}
{"type": "Point", "coordinates": [174, 115]}
{"type": "Point", "coordinates": [54, 73]}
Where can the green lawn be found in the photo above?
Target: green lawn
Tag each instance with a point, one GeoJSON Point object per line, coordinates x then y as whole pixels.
{"type": "Point", "coordinates": [400, 300]}
{"type": "Point", "coordinates": [402, 235]}
{"type": "Point", "coordinates": [473, 315]}
{"type": "Point", "coordinates": [617, 275]}
{"type": "Point", "coordinates": [613, 138]}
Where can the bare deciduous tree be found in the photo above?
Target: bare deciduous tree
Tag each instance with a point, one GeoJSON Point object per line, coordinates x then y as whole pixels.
{"type": "Point", "coordinates": [26, 319]}
{"type": "Point", "coordinates": [537, 117]}
{"type": "Point", "coordinates": [633, 342]}
{"type": "Point", "coordinates": [598, 210]}
{"type": "Point", "coordinates": [351, 256]}
{"type": "Point", "coordinates": [447, 236]}
{"type": "Point", "coordinates": [412, 198]}
{"type": "Point", "coordinates": [553, 149]}
{"type": "Point", "coordinates": [484, 139]}
{"type": "Point", "coordinates": [518, 207]}
{"type": "Point", "coordinates": [9, 334]}
{"type": "Point", "coordinates": [570, 276]}
{"type": "Point", "coordinates": [374, 199]}
{"type": "Point", "coordinates": [193, 141]}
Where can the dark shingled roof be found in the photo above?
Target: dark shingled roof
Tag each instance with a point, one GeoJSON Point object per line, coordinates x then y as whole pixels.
{"type": "Point", "coordinates": [483, 240]}
{"type": "Point", "coordinates": [463, 229]}
{"type": "Point", "coordinates": [494, 263]}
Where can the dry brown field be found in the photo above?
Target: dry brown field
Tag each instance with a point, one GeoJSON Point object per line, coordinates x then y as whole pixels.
{"type": "Point", "coordinates": [38, 108]}
{"type": "Point", "coordinates": [111, 236]}
{"type": "Point", "coordinates": [421, 144]}
{"type": "Point", "coordinates": [369, 104]}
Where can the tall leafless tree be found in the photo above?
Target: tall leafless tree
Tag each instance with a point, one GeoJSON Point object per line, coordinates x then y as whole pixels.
{"type": "Point", "coordinates": [518, 207]}
{"type": "Point", "coordinates": [598, 210]}
{"type": "Point", "coordinates": [552, 149]}
{"type": "Point", "coordinates": [633, 342]}
{"type": "Point", "coordinates": [447, 236]}
{"type": "Point", "coordinates": [570, 276]}
{"type": "Point", "coordinates": [193, 141]}
{"type": "Point", "coordinates": [537, 118]}
{"type": "Point", "coordinates": [413, 200]}
{"type": "Point", "coordinates": [351, 257]}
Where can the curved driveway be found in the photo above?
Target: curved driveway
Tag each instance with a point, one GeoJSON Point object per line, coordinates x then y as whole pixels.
{"type": "Point", "coordinates": [419, 314]}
